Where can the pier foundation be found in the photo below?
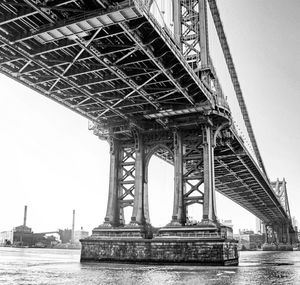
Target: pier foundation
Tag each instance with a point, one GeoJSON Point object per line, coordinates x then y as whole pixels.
{"type": "Point", "coordinates": [185, 246]}
{"type": "Point", "coordinates": [183, 240]}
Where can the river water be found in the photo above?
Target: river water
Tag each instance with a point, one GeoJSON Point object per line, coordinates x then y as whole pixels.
{"type": "Point", "coordinates": [50, 266]}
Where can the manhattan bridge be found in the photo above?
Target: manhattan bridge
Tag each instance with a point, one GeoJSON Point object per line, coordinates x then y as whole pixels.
{"type": "Point", "coordinates": [148, 88]}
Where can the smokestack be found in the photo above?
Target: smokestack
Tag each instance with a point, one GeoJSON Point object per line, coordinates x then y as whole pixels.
{"type": "Point", "coordinates": [25, 216]}
{"type": "Point", "coordinates": [73, 227]}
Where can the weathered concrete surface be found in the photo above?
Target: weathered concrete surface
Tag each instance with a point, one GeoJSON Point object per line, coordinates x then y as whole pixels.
{"type": "Point", "coordinates": [160, 250]}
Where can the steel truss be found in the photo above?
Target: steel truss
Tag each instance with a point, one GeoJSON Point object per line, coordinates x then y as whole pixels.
{"type": "Point", "coordinates": [95, 60]}
{"type": "Point", "coordinates": [185, 149]}
{"type": "Point", "coordinates": [190, 21]}
{"type": "Point", "coordinates": [191, 153]}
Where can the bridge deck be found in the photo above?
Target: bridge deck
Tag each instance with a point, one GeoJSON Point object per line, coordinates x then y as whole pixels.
{"type": "Point", "coordinates": [239, 178]}
{"type": "Point", "coordinates": [114, 66]}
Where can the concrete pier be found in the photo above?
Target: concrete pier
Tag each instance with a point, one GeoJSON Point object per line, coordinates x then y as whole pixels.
{"type": "Point", "coordinates": [182, 245]}
{"type": "Point", "coordinates": [161, 250]}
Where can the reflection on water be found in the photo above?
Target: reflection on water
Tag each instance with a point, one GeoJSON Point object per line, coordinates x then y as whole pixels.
{"type": "Point", "coordinates": [49, 266]}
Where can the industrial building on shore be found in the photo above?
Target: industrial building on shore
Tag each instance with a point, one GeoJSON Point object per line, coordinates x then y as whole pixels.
{"type": "Point", "coordinates": [23, 236]}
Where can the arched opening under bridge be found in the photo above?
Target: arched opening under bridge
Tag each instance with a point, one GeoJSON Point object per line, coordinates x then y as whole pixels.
{"type": "Point", "coordinates": [125, 215]}
{"type": "Point", "coordinates": [159, 189]}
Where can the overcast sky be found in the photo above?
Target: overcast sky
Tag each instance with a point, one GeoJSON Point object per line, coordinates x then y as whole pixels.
{"type": "Point", "coordinates": [52, 163]}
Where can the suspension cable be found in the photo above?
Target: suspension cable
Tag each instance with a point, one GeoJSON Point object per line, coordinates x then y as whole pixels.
{"type": "Point", "coordinates": [234, 78]}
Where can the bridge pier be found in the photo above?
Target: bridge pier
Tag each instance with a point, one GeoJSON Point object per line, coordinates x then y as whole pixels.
{"type": "Point", "coordinates": [278, 238]}
{"type": "Point", "coordinates": [192, 153]}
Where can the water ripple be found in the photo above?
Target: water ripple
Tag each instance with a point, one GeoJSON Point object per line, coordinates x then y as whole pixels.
{"type": "Point", "coordinates": [62, 267]}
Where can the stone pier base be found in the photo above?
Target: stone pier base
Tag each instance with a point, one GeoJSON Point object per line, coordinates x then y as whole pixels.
{"type": "Point", "coordinates": [277, 247]}
{"type": "Point", "coordinates": [160, 250]}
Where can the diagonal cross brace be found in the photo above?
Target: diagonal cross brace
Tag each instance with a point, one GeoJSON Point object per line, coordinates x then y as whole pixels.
{"type": "Point", "coordinates": [76, 57]}
{"type": "Point", "coordinates": [28, 57]}
{"type": "Point", "coordinates": [130, 93]}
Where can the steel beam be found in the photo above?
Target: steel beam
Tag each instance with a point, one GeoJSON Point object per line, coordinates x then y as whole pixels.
{"type": "Point", "coordinates": [150, 54]}
{"type": "Point", "coordinates": [64, 24]}
{"type": "Point", "coordinates": [55, 73]}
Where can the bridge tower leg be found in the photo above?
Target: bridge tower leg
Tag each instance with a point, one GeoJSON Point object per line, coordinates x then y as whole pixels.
{"type": "Point", "coordinates": [194, 182]}
{"type": "Point", "coordinates": [112, 217]}
{"type": "Point", "coordinates": [126, 189]}
{"type": "Point", "coordinates": [286, 242]}
{"type": "Point", "coordinates": [209, 204]}
{"type": "Point", "coordinates": [183, 177]}
{"type": "Point", "coordinates": [278, 238]}
{"type": "Point", "coordinates": [179, 209]}
{"type": "Point", "coordinates": [191, 34]}
{"type": "Point", "coordinates": [138, 217]}
{"type": "Point", "coordinates": [282, 229]}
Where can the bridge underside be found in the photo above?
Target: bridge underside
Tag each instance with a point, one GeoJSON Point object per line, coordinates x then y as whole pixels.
{"type": "Point", "coordinates": [238, 178]}
{"type": "Point", "coordinates": [112, 62]}
{"type": "Point", "coordinates": [110, 65]}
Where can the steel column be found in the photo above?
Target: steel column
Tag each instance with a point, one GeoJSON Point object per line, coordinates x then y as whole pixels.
{"type": "Point", "coordinates": [146, 194]}
{"type": "Point", "coordinates": [177, 22]}
{"type": "Point", "coordinates": [179, 211]}
{"type": "Point", "coordinates": [138, 204]}
{"type": "Point", "coordinates": [146, 203]}
{"type": "Point", "coordinates": [113, 208]}
{"type": "Point", "coordinates": [204, 51]}
{"type": "Point", "coordinates": [209, 207]}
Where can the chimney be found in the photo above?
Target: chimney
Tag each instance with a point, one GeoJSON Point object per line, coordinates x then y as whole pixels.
{"type": "Point", "coordinates": [25, 216]}
{"type": "Point", "coordinates": [73, 227]}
